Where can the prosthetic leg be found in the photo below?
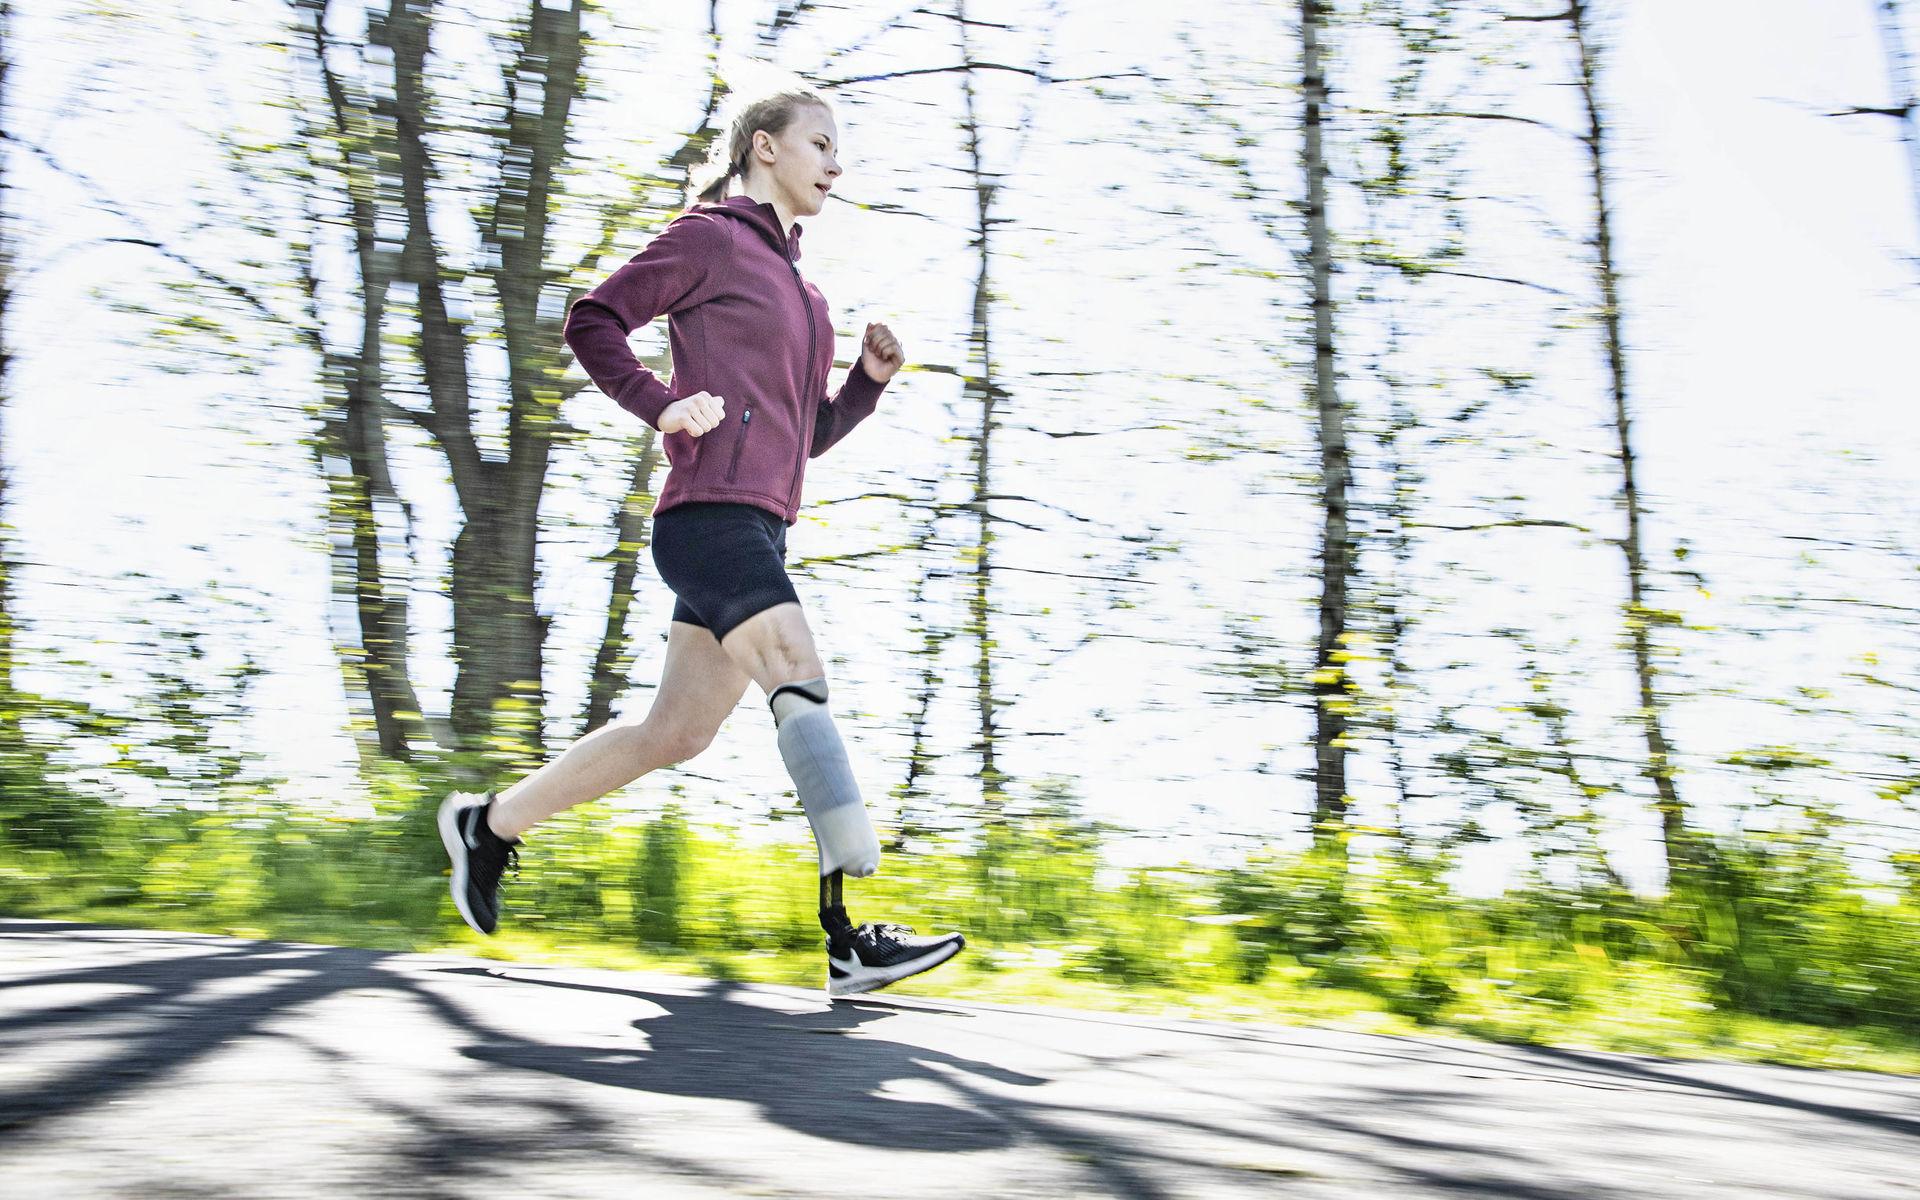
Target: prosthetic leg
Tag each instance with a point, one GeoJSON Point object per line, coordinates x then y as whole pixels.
{"type": "Point", "coordinates": [859, 959]}
{"type": "Point", "coordinates": [833, 911]}
{"type": "Point", "coordinates": [817, 761]}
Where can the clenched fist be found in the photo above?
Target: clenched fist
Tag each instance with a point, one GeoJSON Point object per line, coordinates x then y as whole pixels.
{"type": "Point", "coordinates": [880, 353]}
{"type": "Point", "coordinates": [695, 414]}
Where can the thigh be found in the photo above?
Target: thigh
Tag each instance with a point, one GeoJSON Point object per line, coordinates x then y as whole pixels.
{"type": "Point", "coordinates": [700, 684]}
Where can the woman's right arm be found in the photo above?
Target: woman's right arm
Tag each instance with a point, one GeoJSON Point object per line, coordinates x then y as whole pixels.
{"type": "Point", "coordinates": [678, 269]}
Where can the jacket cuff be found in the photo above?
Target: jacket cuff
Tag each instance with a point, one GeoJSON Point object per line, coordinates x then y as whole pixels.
{"type": "Point", "coordinates": [645, 397]}
{"type": "Point", "coordinates": [858, 390]}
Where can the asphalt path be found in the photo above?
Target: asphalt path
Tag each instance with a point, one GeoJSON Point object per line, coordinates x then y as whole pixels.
{"type": "Point", "coordinates": [149, 1064]}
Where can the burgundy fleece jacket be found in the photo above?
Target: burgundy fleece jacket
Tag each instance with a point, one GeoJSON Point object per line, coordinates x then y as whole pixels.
{"type": "Point", "coordinates": [743, 325]}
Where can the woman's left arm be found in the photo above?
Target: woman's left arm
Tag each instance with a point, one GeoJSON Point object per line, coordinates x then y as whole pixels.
{"type": "Point", "coordinates": [859, 394]}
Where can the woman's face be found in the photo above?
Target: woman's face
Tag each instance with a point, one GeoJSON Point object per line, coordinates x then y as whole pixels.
{"type": "Point", "coordinates": [804, 165]}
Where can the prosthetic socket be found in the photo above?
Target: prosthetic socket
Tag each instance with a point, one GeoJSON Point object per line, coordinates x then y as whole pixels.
{"type": "Point", "coordinates": [817, 761]}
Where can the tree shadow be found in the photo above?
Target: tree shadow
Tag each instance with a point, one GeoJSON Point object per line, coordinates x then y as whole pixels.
{"type": "Point", "coordinates": [814, 1072]}
{"type": "Point", "coordinates": [1650, 1072]}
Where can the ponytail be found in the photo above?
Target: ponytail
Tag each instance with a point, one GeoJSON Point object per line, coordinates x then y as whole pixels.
{"type": "Point", "coordinates": [711, 183]}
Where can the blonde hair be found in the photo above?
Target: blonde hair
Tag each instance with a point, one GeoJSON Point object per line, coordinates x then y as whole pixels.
{"type": "Point", "coordinates": [711, 182]}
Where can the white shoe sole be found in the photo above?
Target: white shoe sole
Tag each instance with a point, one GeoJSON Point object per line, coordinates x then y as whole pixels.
{"type": "Point", "coordinates": [866, 979]}
{"type": "Point", "coordinates": [457, 853]}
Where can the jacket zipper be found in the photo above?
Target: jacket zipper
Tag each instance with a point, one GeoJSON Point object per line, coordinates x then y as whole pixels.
{"type": "Point", "coordinates": [746, 416]}
{"type": "Point", "coordinates": [807, 418]}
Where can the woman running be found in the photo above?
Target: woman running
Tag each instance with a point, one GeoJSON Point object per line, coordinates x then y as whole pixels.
{"type": "Point", "coordinates": [752, 343]}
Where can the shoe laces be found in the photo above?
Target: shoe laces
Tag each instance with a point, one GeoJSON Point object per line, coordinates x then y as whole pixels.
{"type": "Point", "coordinates": [888, 931]}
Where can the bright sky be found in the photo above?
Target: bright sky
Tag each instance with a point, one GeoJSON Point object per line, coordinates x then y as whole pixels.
{"type": "Point", "coordinates": [1771, 306]}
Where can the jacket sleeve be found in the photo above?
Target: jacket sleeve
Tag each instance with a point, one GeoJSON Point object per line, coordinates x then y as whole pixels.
{"type": "Point", "coordinates": [678, 269]}
{"type": "Point", "coordinates": [858, 396]}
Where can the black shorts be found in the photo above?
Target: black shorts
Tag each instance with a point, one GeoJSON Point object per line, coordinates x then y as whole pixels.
{"type": "Point", "coordinates": [724, 562]}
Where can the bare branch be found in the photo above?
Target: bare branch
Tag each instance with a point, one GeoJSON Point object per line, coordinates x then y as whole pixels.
{"type": "Point", "coordinates": [1516, 523]}
{"type": "Point", "coordinates": [1463, 115]}
{"type": "Point", "coordinates": [1044, 504]}
{"type": "Point", "coordinates": [1080, 433]}
{"type": "Point", "coordinates": [1847, 600]}
{"type": "Point", "coordinates": [1066, 574]}
{"type": "Point", "coordinates": [980, 66]}
{"type": "Point", "coordinates": [1869, 111]}
{"type": "Point", "coordinates": [890, 209]}
{"type": "Point", "coordinates": [897, 496]}
{"type": "Point", "coordinates": [1417, 269]}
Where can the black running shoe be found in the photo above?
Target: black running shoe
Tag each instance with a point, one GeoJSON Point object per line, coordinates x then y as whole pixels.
{"type": "Point", "coordinates": [874, 956]}
{"type": "Point", "coordinates": [479, 856]}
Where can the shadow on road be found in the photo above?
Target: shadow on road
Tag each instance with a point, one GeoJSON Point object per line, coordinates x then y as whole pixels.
{"type": "Point", "coordinates": [814, 1072]}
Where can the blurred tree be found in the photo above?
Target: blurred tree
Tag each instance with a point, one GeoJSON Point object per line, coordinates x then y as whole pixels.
{"type": "Point", "coordinates": [1905, 106]}
{"type": "Point", "coordinates": [9, 707]}
{"type": "Point", "coordinates": [1332, 705]}
{"type": "Point", "coordinates": [498, 634]}
{"type": "Point", "coordinates": [366, 164]}
{"type": "Point", "coordinates": [352, 148]}
{"type": "Point", "coordinates": [1683, 849]}
{"type": "Point", "coordinates": [1396, 256]}
{"type": "Point", "coordinates": [983, 391]}
{"type": "Point", "coordinates": [613, 659]}
{"type": "Point", "coordinates": [1422, 227]}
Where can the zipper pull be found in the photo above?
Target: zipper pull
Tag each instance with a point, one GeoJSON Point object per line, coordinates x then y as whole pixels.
{"type": "Point", "coordinates": [746, 414]}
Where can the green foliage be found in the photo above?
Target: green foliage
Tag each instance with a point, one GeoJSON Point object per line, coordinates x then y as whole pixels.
{"type": "Point", "coordinates": [657, 878]}
{"type": "Point", "coordinates": [1791, 935]}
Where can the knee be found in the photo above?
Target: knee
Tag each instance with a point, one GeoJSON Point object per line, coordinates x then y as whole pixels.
{"type": "Point", "coordinates": [678, 743]}
{"type": "Point", "coordinates": [795, 662]}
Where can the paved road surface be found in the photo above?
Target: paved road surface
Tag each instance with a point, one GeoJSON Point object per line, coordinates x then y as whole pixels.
{"type": "Point", "coordinates": [145, 1064]}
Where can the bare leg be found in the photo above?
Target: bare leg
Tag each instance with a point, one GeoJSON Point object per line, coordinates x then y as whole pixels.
{"type": "Point", "coordinates": [699, 686]}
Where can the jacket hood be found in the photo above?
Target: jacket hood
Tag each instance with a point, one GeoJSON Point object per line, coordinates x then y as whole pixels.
{"type": "Point", "coordinates": [761, 216]}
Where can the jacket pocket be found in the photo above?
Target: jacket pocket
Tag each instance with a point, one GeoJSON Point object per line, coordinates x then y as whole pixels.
{"type": "Point", "coordinates": [739, 442]}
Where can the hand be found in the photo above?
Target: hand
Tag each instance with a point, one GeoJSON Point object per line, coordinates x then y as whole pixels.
{"type": "Point", "coordinates": [880, 353]}
{"type": "Point", "coordinates": [696, 414]}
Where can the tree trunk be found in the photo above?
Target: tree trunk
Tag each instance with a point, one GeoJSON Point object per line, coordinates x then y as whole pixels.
{"type": "Point", "coordinates": [631, 532]}
{"type": "Point", "coordinates": [1336, 549]}
{"type": "Point", "coordinates": [351, 449]}
{"type": "Point", "coordinates": [981, 389]}
{"type": "Point", "coordinates": [1906, 100]}
{"type": "Point", "coordinates": [10, 732]}
{"type": "Point", "coordinates": [933, 642]}
{"type": "Point", "coordinates": [1675, 839]}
